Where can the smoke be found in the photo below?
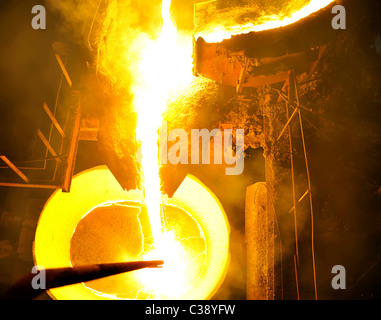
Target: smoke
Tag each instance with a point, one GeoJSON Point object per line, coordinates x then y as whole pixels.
{"type": "Point", "coordinates": [115, 33]}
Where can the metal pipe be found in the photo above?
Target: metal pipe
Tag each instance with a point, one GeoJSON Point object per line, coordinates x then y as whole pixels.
{"type": "Point", "coordinates": [61, 277]}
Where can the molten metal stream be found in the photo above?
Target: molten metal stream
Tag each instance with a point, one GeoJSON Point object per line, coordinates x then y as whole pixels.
{"type": "Point", "coordinates": [161, 71]}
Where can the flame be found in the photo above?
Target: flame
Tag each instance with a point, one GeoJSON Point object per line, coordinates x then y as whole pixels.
{"type": "Point", "coordinates": [220, 33]}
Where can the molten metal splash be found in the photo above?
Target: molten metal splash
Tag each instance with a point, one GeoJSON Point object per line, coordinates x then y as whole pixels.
{"type": "Point", "coordinates": [220, 33]}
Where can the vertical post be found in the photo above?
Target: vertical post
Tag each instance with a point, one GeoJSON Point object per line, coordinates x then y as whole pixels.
{"type": "Point", "coordinates": [72, 152]}
{"type": "Point", "coordinates": [309, 187]}
{"type": "Point", "coordinates": [260, 241]}
{"type": "Point", "coordinates": [290, 98]}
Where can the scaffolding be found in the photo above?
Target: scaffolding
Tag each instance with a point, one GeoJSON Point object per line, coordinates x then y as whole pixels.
{"type": "Point", "coordinates": [51, 165]}
{"type": "Point", "coordinates": [292, 102]}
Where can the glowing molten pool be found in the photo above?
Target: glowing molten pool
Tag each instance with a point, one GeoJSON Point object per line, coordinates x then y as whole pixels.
{"type": "Point", "coordinates": [98, 222]}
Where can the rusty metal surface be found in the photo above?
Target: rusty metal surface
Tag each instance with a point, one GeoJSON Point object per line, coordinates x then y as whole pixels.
{"type": "Point", "coordinates": [263, 58]}
{"type": "Point", "coordinates": [230, 68]}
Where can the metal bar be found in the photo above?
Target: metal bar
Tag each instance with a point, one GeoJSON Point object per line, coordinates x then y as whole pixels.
{"type": "Point", "coordinates": [62, 145]}
{"type": "Point", "coordinates": [61, 277]}
{"type": "Point", "coordinates": [55, 111]}
{"type": "Point", "coordinates": [315, 127]}
{"type": "Point", "coordinates": [316, 62]}
{"type": "Point", "coordinates": [54, 120]}
{"type": "Point", "coordinates": [296, 278]}
{"type": "Point", "coordinates": [64, 71]}
{"type": "Point", "coordinates": [292, 104]}
{"type": "Point", "coordinates": [281, 264]}
{"type": "Point", "coordinates": [287, 124]}
{"type": "Point", "coordinates": [72, 151]}
{"type": "Point", "coordinates": [14, 168]}
{"type": "Point", "coordinates": [242, 76]}
{"type": "Point", "coordinates": [308, 121]}
{"type": "Point", "coordinates": [301, 199]}
{"type": "Point", "coordinates": [31, 186]}
{"type": "Point", "coordinates": [293, 173]}
{"type": "Point", "coordinates": [285, 85]}
{"type": "Point", "coordinates": [309, 187]}
{"type": "Point", "coordinates": [25, 168]}
{"type": "Point", "coordinates": [47, 144]}
{"type": "Point", "coordinates": [311, 111]}
{"type": "Point", "coordinates": [304, 195]}
{"type": "Point", "coordinates": [32, 161]}
{"type": "Point", "coordinates": [204, 2]}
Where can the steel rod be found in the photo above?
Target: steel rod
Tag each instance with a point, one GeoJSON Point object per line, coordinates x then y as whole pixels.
{"type": "Point", "coordinates": [14, 169]}
{"type": "Point", "coordinates": [309, 187]}
{"type": "Point", "coordinates": [293, 171]}
{"type": "Point", "coordinates": [55, 278]}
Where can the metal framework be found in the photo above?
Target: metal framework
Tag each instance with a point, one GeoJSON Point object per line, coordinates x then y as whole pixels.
{"type": "Point", "coordinates": [60, 134]}
{"type": "Point", "coordinates": [59, 137]}
{"type": "Point", "coordinates": [292, 101]}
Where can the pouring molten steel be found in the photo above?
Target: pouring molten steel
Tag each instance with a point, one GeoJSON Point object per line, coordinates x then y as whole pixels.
{"type": "Point", "coordinates": [98, 222]}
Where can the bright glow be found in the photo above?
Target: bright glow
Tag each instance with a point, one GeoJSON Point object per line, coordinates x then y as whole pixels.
{"type": "Point", "coordinates": [220, 33]}
{"type": "Point", "coordinates": [159, 69]}
{"type": "Point", "coordinates": [191, 271]}
{"type": "Point", "coordinates": [183, 249]}
{"type": "Point", "coordinates": [165, 66]}
{"type": "Point", "coordinates": [176, 264]}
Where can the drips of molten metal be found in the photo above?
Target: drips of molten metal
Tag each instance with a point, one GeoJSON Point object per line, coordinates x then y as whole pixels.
{"type": "Point", "coordinates": [220, 33]}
